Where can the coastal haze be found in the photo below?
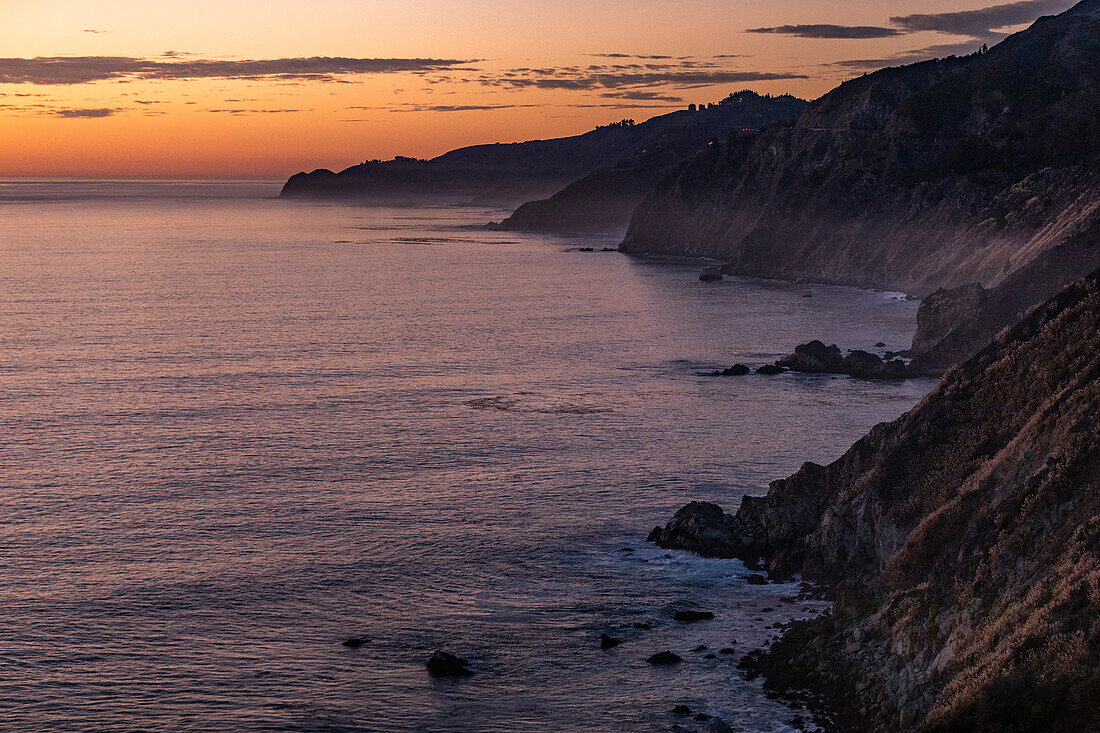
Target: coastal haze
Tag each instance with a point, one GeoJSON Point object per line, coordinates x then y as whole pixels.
{"type": "Point", "coordinates": [241, 430]}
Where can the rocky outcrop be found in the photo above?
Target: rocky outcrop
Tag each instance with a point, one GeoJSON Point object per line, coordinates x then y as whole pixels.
{"type": "Point", "coordinates": [631, 158]}
{"type": "Point", "coordinates": [919, 178]}
{"type": "Point", "coordinates": [817, 358]}
{"type": "Point", "coordinates": [961, 542]}
{"type": "Point", "coordinates": [444, 664]}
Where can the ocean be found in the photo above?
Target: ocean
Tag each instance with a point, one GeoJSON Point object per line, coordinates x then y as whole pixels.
{"type": "Point", "coordinates": [239, 430]}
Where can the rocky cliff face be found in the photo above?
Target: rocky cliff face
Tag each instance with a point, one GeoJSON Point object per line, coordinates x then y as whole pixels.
{"type": "Point", "coordinates": [508, 175]}
{"type": "Point", "coordinates": [962, 542]}
{"type": "Point", "coordinates": [929, 176]}
{"type": "Point", "coordinates": [605, 199]}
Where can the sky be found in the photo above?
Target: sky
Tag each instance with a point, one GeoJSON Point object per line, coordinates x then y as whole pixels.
{"type": "Point", "coordinates": [262, 89]}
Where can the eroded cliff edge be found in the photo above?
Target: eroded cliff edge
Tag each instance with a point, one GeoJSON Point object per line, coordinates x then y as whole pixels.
{"type": "Point", "coordinates": [932, 176]}
{"type": "Point", "coordinates": [962, 542]}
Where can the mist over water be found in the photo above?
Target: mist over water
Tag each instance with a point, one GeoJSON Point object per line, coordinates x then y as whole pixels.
{"type": "Point", "coordinates": [238, 431]}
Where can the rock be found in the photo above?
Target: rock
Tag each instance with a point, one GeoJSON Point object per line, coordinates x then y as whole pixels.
{"type": "Point", "coordinates": [737, 370]}
{"type": "Point", "coordinates": [698, 527]}
{"type": "Point", "coordinates": [770, 369]}
{"type": "Point", "coordinates": [585, 249]}
{"type": "Point", "coordinates": [727, 650]}
{"type": "Point", "coordinates": [690, 617]}
{"type": "Point", "coordinates": [642, 626]}
{"type": "Point", "coordinates": [626, 549]}
{"type": "Point", "coordinates": [710, 656]}
{"type": "Point", "coordinates": [354, 643]}
{"type": "Point", "coordinates": [442, 664]}
{"type": "Point", "coordinates": [664, 658]}
{"type": "Point", "coordinates": [711, 275]}
{"type": "Point", "coordinates": [702, 717]}
{"type": "Point", "coordinates": [608, 642]}
{"type": "Point", "coordinates": [880, 345]}
{"type": "Point", "coordinates": [814, 357]}
{"type": "Point", "coordinates": [681, 710]}
{"type": "Point", "coordinates": [609, 249]}
{"type": "Point", "coordinates": [756, 580]}
{"type": "Point", "coordinates": [808, 295]}
{"type": "Point", "coordinates": [861, 364]}
{"type": "Point", "coordinates": [700, 648]}
{"type": "Point", "coordinates": [718, 726]}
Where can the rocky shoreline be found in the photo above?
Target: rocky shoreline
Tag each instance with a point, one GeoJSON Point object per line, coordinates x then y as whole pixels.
{"type": "Point", "coordinates": [960, 544]}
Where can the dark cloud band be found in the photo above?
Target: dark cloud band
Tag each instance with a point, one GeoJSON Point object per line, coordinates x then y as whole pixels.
{"type": "Point", "coordinates": [86, 69]}
{"type": "Point", "coordinates": [829, 31]}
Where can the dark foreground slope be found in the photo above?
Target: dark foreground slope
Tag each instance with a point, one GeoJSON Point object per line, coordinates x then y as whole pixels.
{"type": "Point", "coordinates": [934, 175]}
{"type": "Point", "coordinates": [508, 175]}
{"type": "Point", "coordinates": [605, 199]}
{"type": "Point", "coordinates": [962, 542]}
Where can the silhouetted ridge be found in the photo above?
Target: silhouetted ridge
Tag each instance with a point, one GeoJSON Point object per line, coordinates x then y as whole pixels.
{"type": "Point", "coordinates": [508, 174]}
{"type": "Point", "coordinates": [605, 199]}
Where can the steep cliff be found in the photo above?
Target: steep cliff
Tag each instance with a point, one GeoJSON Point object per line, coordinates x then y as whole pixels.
{"type": "Point", "coordinates": [605, 199]}
{"type": "Point", "coordinates": [934, 175]}
{"type": "Point", "coordinates": [962, 542]}
{"type": "Point", "coordinates": [508, 175]}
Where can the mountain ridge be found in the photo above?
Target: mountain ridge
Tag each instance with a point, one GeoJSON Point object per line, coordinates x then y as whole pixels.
{"type": "Point", "coordinates": [509, 174]}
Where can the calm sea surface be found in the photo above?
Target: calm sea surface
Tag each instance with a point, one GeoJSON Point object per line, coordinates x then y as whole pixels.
{"type": "Point", "coordinates": [237, 431]}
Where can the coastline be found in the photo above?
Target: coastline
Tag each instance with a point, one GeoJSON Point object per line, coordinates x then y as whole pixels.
{"type": "Point", "coordinates": [958, 543]}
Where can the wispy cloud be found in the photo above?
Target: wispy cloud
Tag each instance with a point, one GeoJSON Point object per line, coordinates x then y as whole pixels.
{"type": "Point", "coordinates": [632, 56]}
{"type": "Point", "coordinates": [825, 30]}
{"type": "Point", "coordinates": [83, 114]}
{"type": "Point", "coordinates": [643, 97]}
{"type": "Point", "coordinates": [680, 75]}
{"type": "Point", "coordinates": [982, 23]}
{"type": "Point", "coordinates": [65, 70]}
{"type": "Point", "coordinates": [982, 26]}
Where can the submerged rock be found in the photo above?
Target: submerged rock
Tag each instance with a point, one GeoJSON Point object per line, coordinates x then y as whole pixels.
{"type": "Point", "coordinates": [737, 370]}
{"type": "Point", "coordinates": [711, 275]}
{"type": "Point", "coordinates": [681, 710]}
{"type": "Point", "coordinates": [664, 658]}
{"type": "Point", "coordinates": [608, 642]}
{"type": "Point", "coordinates": [770, 369]}
{"type": "Point", "coordinates": [756, 580]}
{"type": "Point", "coordinates": [442, 664]}
{"type": "Point", "coordinates": [354, 643]}
{"type": "Point", "coordinates": [690, 617]}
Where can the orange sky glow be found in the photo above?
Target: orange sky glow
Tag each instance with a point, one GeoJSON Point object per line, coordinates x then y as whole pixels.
{"type": "Point", "coordinates": [250, 89]}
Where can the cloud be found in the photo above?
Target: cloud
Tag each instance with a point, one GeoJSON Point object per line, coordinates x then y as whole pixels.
{"type": "Point", "coordinates": [981, 26]}
{"type": "Point", "coordinates": [642, 96]}
{"type": "Point", "coordinates": [825, 30]}
{"type": "Point", "coordinates": [242, 111]}
{"type": "Point", "coordinates": [93, 30]}
{"type": "Point", "coordinates": [678, 76]}
{"type": "Point", "coordinates": [982, 23]}
{"type": "Point", "coordinates": [631, 56]}
{"type": "Point", "coordinates": [64, 70]}
{"type": "Point", "coordinates": [83, 114]}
